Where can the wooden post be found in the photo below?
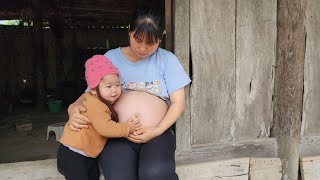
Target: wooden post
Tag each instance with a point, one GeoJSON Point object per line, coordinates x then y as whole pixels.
{"type": "Point", "coordinates": [291, 36]}
{"type": "Point", "coordinates": [38, 54]}
{"type": "Point", "coordinates": [181, 48]}
{"type": "Point", "coordinates": [168, 22]}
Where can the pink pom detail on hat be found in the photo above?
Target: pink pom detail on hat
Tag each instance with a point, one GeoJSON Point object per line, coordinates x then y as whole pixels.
{"type": "Point", "coordinates": [96, 68]}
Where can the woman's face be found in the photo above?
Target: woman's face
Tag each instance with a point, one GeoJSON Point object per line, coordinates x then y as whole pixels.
{"type": "Point", "coordinates": [140, 48]}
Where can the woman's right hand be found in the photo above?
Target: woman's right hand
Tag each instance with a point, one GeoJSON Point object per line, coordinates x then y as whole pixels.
{"type": "Point", "coordinates": [77, 121]}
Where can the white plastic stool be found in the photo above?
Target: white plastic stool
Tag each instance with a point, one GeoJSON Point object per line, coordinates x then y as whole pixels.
{"type": "Point", "coordinates": [57, 128]}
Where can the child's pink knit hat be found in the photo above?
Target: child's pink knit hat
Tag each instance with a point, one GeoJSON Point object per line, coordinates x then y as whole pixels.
{"type": "Point", "coordinates": [96, 68]}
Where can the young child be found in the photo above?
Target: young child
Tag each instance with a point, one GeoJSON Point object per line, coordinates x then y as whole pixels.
{"type": "Point", "coordinates": [77, 153]}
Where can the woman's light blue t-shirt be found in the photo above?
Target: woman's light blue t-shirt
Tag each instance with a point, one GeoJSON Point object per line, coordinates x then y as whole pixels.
{"type": "Point", "coordinates": [160, 74]}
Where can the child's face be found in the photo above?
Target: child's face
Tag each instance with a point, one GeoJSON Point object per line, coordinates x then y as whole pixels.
{"type": "Point", "coordinates": [110, 88]}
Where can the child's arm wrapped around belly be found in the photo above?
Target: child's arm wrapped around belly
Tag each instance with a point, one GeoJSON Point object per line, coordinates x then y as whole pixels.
{"type": "Point", "coordinates": [99, 114]}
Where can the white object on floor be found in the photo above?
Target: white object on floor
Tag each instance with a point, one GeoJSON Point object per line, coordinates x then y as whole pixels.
{"type": "Point", "coordinates": [57, 128]}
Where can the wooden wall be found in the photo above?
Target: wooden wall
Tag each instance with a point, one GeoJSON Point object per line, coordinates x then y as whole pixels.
{"type": "Point", "coordinates": [229, 49]}
{"type": "Point", "coordinates": [311, 98]}
{"type": "Point", "coordinates": [233, 54]}
{"type": "Point", "coordinates": [212, 102]}
{"type": "Point", "coordinates": [255, 59]}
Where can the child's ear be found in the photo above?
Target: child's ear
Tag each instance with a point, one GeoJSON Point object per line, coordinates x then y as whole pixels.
{"type": "Point", "coordinates": [93, 91]}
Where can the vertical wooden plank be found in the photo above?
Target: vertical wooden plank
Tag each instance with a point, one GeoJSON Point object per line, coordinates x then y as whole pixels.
{"type": "Point", "coordinates": [181, 21]}
{"type": "Point", "coordinates": [212, 31]}
{"type": "Point", "coordinates": [311, 98]}
{"type": "Point", "coordinates": [288, 92]}
{"type": "Point", "coordinates": [256, 34]}
{"type": "Point", "coordinates": [168, 22]}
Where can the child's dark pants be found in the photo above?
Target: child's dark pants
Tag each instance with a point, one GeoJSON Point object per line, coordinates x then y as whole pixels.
{"type": "Point", "coordinates": [75, 166]}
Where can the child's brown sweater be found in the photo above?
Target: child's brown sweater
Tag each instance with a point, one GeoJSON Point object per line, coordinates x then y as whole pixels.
{"type": "Point", "coordinates": [92, 140]}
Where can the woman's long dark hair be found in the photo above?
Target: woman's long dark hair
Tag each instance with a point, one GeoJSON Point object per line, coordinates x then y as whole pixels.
{"type": "Point", "coordinates": [146, 25]}
{"type": "Point", "coordinates": [114, 114]}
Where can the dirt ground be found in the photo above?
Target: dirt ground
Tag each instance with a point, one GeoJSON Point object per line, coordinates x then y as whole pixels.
{"type": "Point", "coordinates": [28, 145]}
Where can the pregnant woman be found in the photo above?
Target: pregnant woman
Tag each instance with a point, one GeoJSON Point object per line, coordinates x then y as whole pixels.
{"type": "Point", "coordinates": [153, 82]}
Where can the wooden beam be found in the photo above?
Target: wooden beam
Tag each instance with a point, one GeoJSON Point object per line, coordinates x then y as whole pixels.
{"type": "Point", "coordinates": [261, 148]}
{"type": "Point", "coordinates": [231, 169]}
{"type": "Point", "coordinates": [289, 71]}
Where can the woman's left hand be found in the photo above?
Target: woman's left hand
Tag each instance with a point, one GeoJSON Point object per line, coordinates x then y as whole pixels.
{"type": "Point", "coordinates": [143, 135]}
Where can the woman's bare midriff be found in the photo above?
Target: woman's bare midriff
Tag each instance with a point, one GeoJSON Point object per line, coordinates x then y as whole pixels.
{"type": "Point", "coordinates": [151, 109]}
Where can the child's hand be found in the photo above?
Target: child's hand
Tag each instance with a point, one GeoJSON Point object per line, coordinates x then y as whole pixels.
{"type": "Point", "coordinates": [134, 123]}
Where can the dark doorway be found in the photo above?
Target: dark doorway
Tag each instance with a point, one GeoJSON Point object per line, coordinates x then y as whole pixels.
{"type": "Point", "coordinates": [43, 60]}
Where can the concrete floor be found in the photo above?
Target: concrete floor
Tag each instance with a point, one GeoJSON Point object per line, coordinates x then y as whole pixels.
{"type": "Point", "coordinates": [18, 146]}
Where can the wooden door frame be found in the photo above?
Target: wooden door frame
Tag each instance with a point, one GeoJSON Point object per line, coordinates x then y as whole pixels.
{"type": "Point", "coordinates": [168, 25]}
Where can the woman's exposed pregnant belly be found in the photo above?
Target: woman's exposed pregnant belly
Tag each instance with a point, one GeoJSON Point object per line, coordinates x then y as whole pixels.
{"type": "Point", "coordinates": [151, 109]}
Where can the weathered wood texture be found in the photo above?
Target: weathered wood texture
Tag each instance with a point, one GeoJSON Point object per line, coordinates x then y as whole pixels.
{"type": "Point", "coordinates": [255, 57]}
{"type": "Point", "coordinates": [232, 53]}
{"type": "Point", "coordinates": [212, 102]}
{"type": "Point", "coordinates": [310, 168]}
{"type": "Point", "coordinates": [232, 60]}
{"type": "Point", "coordinates": [182, 51]}
{"type": "Point", "coordinates": [234, 169]}
{"type": "Point", "coordinates": [260, 148]}
{"type": "Point", "coordinates": [311, 98]}
{"type": "Point", "coordinates": [265, 169]}
{"type": "Point", "coordinates": [309, 146]}
{"type": "Point", "coordinates": [289, 83]}
{"type": "Point", "coordinates": [168, 24]}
